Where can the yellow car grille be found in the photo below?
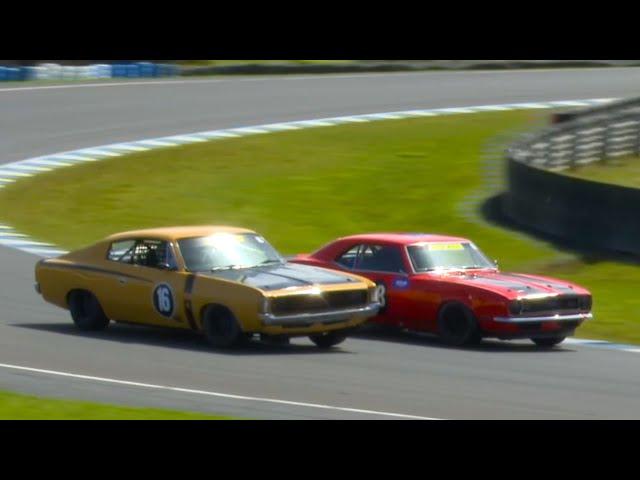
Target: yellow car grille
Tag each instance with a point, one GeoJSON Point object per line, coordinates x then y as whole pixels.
{"type": "Point", "coordinates": [318, 303]}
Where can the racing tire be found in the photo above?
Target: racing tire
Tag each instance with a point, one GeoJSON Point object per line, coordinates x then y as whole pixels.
{"type": "Point", "coordinates": [86, 311]}
{"type": "Point", "coordinates": [328, 340]}
{"type": "Point", "coordinates": [221, 328]}
{"type": "Point", "coordinates": [457, 326]}
{"type": "Point", "coordinates": [548, 342]}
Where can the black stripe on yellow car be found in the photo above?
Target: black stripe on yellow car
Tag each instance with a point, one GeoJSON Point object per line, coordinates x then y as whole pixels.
{"type": "Point", "coordinates": [88, 268]}
{"type": "Point", "coordinates": [188, 307]}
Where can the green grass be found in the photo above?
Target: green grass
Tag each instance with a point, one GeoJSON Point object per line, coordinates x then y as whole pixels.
{"type": "Point", "coordinates": [23, 407]}
{"type": "Point", "coordinates": [303, 188]}
{"type": "Point", "coordinates": [623, 171]}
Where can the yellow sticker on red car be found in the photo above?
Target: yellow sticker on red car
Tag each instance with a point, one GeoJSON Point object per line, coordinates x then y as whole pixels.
{"type": "Point", "coordinates": [444, 246]}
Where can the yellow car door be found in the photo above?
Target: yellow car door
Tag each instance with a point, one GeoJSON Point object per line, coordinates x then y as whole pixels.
{"type": "Point", "coordinates": [150, 288]}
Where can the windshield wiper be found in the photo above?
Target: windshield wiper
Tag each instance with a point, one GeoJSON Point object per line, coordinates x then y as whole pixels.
{"type": "Point", "coordinates": [269, 261]}
{"type": "Point", "coordinates": [227, 267]}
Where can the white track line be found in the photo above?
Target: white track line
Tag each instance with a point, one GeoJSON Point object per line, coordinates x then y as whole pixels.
{"type": "Point", "coordinates": [215, 394]}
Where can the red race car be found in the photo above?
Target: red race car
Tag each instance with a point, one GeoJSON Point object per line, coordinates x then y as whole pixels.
{"type": "Point", "coordinates": [446, 285]}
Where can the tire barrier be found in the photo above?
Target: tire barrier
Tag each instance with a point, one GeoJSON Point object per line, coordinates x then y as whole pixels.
{"type": "Point", "coordinates": [53, 71]}
{"type": "Point", "coordinates": [582, 213]}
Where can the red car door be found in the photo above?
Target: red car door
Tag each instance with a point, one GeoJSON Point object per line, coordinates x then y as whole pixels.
{"type": "Point", "coordinates": [384, 265]}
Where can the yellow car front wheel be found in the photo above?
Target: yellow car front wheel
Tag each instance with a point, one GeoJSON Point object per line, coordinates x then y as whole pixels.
{"type": "Point", "coordinates": [328, 340]}
{"type": "Point", "coordinates": [221, 327]}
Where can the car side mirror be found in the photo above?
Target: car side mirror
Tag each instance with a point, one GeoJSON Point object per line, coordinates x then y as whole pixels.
{"type": "Point", "coordinates": [166, 266]}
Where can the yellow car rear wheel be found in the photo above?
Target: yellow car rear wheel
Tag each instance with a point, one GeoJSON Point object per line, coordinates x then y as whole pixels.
{"type": "Point", "coordinates": [86, 311]}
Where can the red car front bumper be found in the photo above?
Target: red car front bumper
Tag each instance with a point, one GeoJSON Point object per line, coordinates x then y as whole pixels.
{"type": "Point", "coordinates": [532, 326]}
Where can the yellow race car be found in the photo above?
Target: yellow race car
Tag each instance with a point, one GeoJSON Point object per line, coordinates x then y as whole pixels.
{"type": "Point", "coordinates": [228, 283]}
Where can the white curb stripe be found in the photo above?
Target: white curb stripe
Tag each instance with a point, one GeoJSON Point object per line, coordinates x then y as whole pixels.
{"type": "Point", "coordinates": [280, 126]}
{"type": "Point", "coordinates": [314, 123]}
{"type": "Point", "coordinates": [572, 103]}
{"type": "Point", "coordinates": [24, 243]}
{"type": "Point", "coordinates": [73, 157]}
{"type": "Point", "coordinates": [27, 167]}
{"type": "Point", "coordinates": [126, 147]}
{"type": "Point", "coordinates": [100, 152]}
{"type": "Point", "coordinates": [219, 134]}
{"type": "Point", "coordinates": [420, 113]}
{"type": "Point", "coordinates": [492, 108]}
{"type": "Point", "coordinates": [157, 143]}
{"type": "Point", "coordinates": [46, 162]}
{"type": "Point", "coordinates": [186, 138]}
{"type": "Point", "coordinates": [456, 110]}
{"type": "Point", "coordinates": [249, 130]}
{"type": "Point", "coordinates": [45, 252]}
{"type": "Point", "coordinates": [9, 173]}
{"type": "Point", "coordinates": [11, 234]}
{"type": "Point", "coordinates": [531, 105]}
{"type": "Point", "coordinates": [354, 118]}
{"type": "Point", "coordinates": [214, 394]}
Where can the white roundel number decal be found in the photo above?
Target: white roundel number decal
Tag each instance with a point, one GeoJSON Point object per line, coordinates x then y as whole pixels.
{"type": "Point", "coordinates": [382, 294]}
{"type": "Point", "coordinates": [163, 300]}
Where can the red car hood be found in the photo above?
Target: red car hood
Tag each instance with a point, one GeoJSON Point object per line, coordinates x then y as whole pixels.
{"type": "Point", "coordinates": [510, 285]}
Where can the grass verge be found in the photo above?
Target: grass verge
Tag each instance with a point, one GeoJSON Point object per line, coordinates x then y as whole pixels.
{"type": "Point", "coordinates": [623, 171]}
{"type": "Point", "coordinates": [14, 406]}
{"type": "Point", "coordinates": [303, 188]}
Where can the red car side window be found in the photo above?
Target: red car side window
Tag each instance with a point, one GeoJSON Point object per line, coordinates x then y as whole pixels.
{"type": "Point", "coordinates": [349, 258]}
{"type": "Point", "coordinates": [380, 258]}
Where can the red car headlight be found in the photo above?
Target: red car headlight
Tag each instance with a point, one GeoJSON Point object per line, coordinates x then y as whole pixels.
{"type": "Point", "coordinates": [585, 302]}
{"type": "Point", "coordinates": [515, 307]}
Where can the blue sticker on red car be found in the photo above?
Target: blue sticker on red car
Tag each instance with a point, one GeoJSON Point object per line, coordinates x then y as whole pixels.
{"type": "Point", "coordinates": [401, 283]}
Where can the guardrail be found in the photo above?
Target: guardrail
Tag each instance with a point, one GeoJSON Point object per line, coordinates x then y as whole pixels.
{"type": "Point", "coordinates": [53, 71]}
{"type": "Point", "coordinates": [581, 212]}
{"type": "Point", "coordinates": [582, 137]}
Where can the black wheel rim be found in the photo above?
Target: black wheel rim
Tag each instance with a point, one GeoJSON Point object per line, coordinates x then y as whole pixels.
{"type": "Point", "coordinates": [221, 327]}
{"type": "Point", "coordinates": [456, 327]}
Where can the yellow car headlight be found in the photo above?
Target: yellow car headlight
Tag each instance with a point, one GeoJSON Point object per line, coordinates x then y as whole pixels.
{"type": "Point", "coordinates": [265, 305]}
{"type": "Point", "coordinates": [373, 295]}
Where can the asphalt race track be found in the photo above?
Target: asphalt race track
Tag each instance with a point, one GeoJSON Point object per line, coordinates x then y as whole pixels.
{"type": "Point", "coordinates": [368, 377]}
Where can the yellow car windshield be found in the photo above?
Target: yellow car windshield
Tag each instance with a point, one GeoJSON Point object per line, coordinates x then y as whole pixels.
{"type": "Point", "coordinates": [223, 251]}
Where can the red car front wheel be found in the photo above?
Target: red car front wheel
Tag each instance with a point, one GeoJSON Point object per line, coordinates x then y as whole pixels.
{"type": "Point", "coordinates": [548, 342]}
{"type": "Point", "coordinates": [457, 325]}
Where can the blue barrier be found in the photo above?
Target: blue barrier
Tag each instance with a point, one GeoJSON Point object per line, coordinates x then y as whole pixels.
{"type": "Point", "coordinates": [133, 71]}
{"type": "Point", "coordinates": [147, 69]}
{"type": "Point", "coordinates": [28, 73]}
{"type": "Point", "coordinates": [116, 70]}
{"type": "Point", "coordinates": [13, 74]}
{"type": "Point", "coordinates": [103, 71]}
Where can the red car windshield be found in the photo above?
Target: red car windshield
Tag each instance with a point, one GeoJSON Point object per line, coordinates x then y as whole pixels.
{"type": "Point", "coordinates": [447, 256]}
